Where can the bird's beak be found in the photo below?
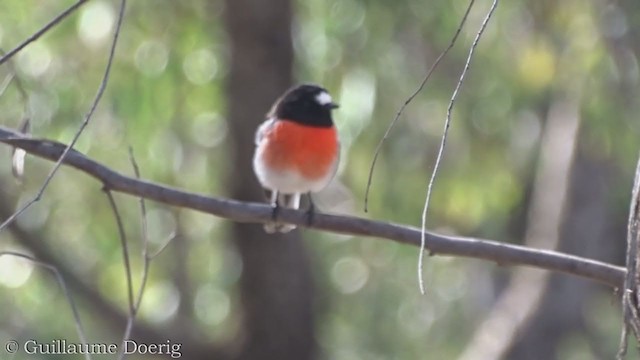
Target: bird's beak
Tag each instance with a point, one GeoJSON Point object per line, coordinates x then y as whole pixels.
{"type": "Point", "coordinates": [334, 106]}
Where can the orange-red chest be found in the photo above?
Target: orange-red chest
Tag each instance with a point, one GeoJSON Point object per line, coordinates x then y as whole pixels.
{"type": "Point", "coordinates": [310, 151]}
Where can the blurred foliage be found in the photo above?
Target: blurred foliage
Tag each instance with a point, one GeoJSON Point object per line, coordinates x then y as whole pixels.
{"type": "Point", "coordinates": [165, 99]}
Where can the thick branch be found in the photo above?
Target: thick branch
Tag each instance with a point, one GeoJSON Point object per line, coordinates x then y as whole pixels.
{"type": "Point", "coordinates": [500, 253]}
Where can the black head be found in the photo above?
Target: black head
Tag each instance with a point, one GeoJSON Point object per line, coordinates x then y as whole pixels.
{"type": "Point", "coordinates": [305, 104]}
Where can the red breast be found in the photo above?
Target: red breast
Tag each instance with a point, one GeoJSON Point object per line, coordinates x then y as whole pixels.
{"type": "Point", "coordinates": [309, 150]}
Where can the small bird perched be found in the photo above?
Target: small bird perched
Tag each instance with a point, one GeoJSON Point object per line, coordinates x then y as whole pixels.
{"type": "Point", "coordinates": [297, 149]}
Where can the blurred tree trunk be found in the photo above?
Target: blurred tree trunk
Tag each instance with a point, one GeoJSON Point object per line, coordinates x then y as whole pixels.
{"type": "Point", "coordinates": [587, 231]}
{"type": "Point", "coordinates": [590, 228]}
{"type": "Point", "coordinates": [517, 304]}
{"type": "Point", "coordinates": [276, 285]}
{"type": "Point", "coordinates": [531, 331]}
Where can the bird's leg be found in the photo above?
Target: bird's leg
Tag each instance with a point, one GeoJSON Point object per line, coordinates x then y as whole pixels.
{"type": "Point", "coordinates": [272, 226]}
{"type": "Point", "coordinates": [311, 210]}
{"type": "Point", "coordinates": [275, 206]}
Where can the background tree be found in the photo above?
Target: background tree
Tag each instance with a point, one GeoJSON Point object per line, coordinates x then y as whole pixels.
{"type": "Point", "coordinates": [276, 285]}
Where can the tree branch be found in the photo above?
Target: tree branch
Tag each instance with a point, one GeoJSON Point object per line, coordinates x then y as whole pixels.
{"type": "Point", "coordinates": [498, 252]}
{"type": "Point", "coordinates": [631, 283]}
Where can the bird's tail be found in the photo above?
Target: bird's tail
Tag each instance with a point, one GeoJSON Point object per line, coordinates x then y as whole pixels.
{"type": "Point", "coordinates": [291, 201]}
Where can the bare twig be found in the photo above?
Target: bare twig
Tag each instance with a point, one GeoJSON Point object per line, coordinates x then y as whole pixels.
{"type": "Point", "coordinates": [409, 99]}
{"type": "Point", "coordinates": [146, 257]}
{"type": "Point", "coordinates": [127, 268]}
{"type": "Point", "coordinates": [89, 115]}
{"type": "Point", "coordinates": [65, 290]}
{"type": "Point", "coordinates": [13, 77]}
{"type": "Point", "coordinates": [125, 248]}
{"type": "Point", "coordinates": [134, 304]}
{"type": "Point", "coordinates": [498, 252]}
{"type": "Point", "coordinates": [145, 234]}
{"type": "Point", "coordinates": [622, 348]}
{"type": "Point", "coordinates": [5, 83]}
{"type": "Point", "coordinates": [443, 142]}
{"type": "Point", "coordinates": [42, 31]}
{"type": "Point", "coordinates": [172, 236]}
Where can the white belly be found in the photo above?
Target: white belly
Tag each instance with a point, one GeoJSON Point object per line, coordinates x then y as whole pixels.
{"type": "Point", "coordinates": [288, 181]}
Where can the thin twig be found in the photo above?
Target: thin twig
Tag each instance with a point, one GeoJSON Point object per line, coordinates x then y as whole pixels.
{"type": "Point", "coordinates": [127, 270]}
{"type": "Point", "coordinates": [125, 249]}
{"type": "Point", "coordinates": [146, 258]}
{"type": "Point", "coordinates": [21, 89]}
{"type": "Point", "coordinates": [443, 142]}
{"type": "Point", "coordinates": [145, 234]}
{"type": "Point", "coordinates": [5, 83]}
{"type": "Point", "coordinates": [172, 236]}
{"type": "Point", "coordinates": [135, 303]}
{"type": "Point", "coordinates": [409, 99]}
{"type": "Point", "coordinates": [94, 105]}
{"type": "Point", "coordinates": [240, 211]}
{"type": "Point", "coordinates": [622, 348]}
{"type": "Point", "coordinates": [42, 31]}
{"type": "Point", "coordinates": [629, 321]}
{"type": "Point", "coordinates": [65, 290]}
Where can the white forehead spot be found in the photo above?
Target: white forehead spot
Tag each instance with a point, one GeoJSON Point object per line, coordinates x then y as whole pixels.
{"type": "Point", "coordinates": [323, 98]}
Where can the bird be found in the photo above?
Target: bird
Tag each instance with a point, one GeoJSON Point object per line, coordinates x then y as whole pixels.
{"type": "Point", "coordinates": [297, 150]}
